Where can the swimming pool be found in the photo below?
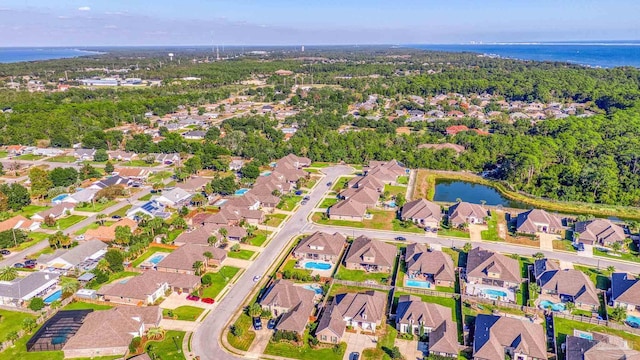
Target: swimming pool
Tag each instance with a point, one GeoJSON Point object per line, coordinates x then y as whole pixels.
{"type": "Point", "coordinates": [392, 204]}
{"type": "Point", "coordinates": [317, 265]}
{"type": "Point", "coordinates": [58, 199]}
{"type": "Point", "coordinates": [53, 297]}
{"type": "Point", "coordinates": [633, 321]}
{"type": "Point", "coordinates": [546, 304]}
{"type": "Point", "coordinates": [241, 192]}
{"type": "Point", "coordinates": [494, 294]}
{"type": "Point", "coordinates": [418, 283]}
{"type": "Point", "coordinates": [265, 173]}
{"type": "Point", "coordinates": [314, 287]}
{"type": "Point", "coordinates": [155, 259]}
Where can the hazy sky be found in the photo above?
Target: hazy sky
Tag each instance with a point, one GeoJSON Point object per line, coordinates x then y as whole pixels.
{"type": "Point", "coordinates": [277, 22]}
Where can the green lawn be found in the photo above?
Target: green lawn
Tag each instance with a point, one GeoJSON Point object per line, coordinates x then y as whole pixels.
{"type": "Point", "coordinates": [259, 237]}
{"type": "Point", "coordinates": [112, 277]}
{"type": "Point", "coordinates": [243, 254]}
{"type": "Point", "coordinates": [152, 250]}
{"type": "Point", "coordinates": [564, 327]}
{"type": "Point", "coordinates": [34, 238]}
{"type": "Point", "coordinates": [361, 275]}
{"type": "Point", "coordinates": [173, 234]}
{"type": "Point", "coordinates": [96, 206]}
{"type": "Point", "coordinates": [289, 202]}
{"type": "Point", "coordinates": [29, 210]}
{"type": "Point", "coordinates": [29, 157]}
{"type": "Point", "coordinates": [242, 342]}
{"type": "Point", "coordinates": [186, 313]}
{"type": "Point", "coordinates": [290, 267]}
{"type": "Point", "coordinates": [328, 202]}
{"type": "Point", "coordinates": [453, 233]}
{"type": "Point", "coordinates": [63, 159]}
{"type": "Point", "coordinates": [122, 212]}
{"type": "Point", "coordinates": [312, 171]}
{"type": "Point", "coordinates": [492, 232]}
{"type": "Point", "coordinates": [387, 341]}
{"type": "Point", "coordinates": [170, 348]}
{"type": "Point", "coordinates": [138, 163]}
{"type": "Point", "coordinates": [274, 219]}
{"type": "Point", "coordinates": [146, 197]}
{"type": "Point", "coordinates": [617, 255]}
{"type": "Point", "coordinates": [380, 220]}
{"type": "Point", "coordinates": [341, 183]}
{"type": "Point", "coordinates": [65, 222]}
{"type": "Point", "coordinates": [395, 189]}
{"type": "Point", "coordinates": [565, 245]}
{"type": "Point", "coordinates": [79, 305]}
{"type": "Point", "coordinates": [601, 278]}
{"type": "Point", "coordinates": [447, 302]}
{"type": "Point", "coordinates": [159, 176]}
{"type": "Point", "coordinates": [319, 164]}
{"type": "Point", "coordinates": [220, 280]}
{"type": "Point", "coordinates": [11, 321]}
{"type": "Point", "coordinates": [4, 154]}
{"type": "Point", "coordinates": [304, 352]}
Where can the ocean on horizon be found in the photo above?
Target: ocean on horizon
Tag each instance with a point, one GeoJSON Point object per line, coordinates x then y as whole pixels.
{"type": "Point", "coordinates": [13, 55]}
{"type": "Point", "coordinates": [594, 54]}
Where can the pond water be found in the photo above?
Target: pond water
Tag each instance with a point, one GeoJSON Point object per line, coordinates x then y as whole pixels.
{"type": "Point", "coordinates": [451, 190]}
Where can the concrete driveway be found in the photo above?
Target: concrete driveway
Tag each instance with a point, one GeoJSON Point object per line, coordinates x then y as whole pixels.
{"type": "Point", "coordinates": [546, 240]}
{"type": "Point", "coordinates": [261, 341]}
{"type": "Point", "coordinates": [409, 348]}
{"type": "Point", "coordinates": [475, 231]}
{"type": "Point", "coordinates": [357, 343]}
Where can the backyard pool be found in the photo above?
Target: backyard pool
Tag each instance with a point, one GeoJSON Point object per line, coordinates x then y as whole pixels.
{"type": "Point", "coordinates": [58, 199]}
{"type": "Point", "coordinates": [317, 265]}
{"type": "Point", "coordinates": [240, 192]}
{"type": "Point", "coordinates": [546, 304]}
{"type": "Point", "coordinates": [633, 321]}
{"type": "Point", "coordinates": [53, 297]}
{"type": "Point", "coordinates": [265, 173]}
{"type": "Point", "coordinates": [156, 258]}
{"type": "Point", "coordinates": [418, 283]}
{"type": "Point", "coordinates": [494, 294]}
{"type": "Point", "coordinates": [315, 287]}
{"type": "Point", "coordinates": [392, 204]}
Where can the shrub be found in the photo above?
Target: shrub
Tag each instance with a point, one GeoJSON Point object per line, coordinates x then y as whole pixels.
{"type": "Point", "coordinates": [236, 330]}
{"type": "Point", "coordinates": [206, 280]}
{"type": "Point", "coordinates": [283, 335]}
{"type": "Point", "coordinates": [36, 304]}
{"type": "Point", "coordinates": [135, 344]}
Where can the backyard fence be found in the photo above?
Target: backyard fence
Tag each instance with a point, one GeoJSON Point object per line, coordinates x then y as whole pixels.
{"type": "Point", "coordinates": [594, 321]}
{"type": "Point", "coordinates": [363, 284]}
{"type": "Point", "coordinates": [523, 308]}
{"type": "Point", "coordinates": [428, 292]}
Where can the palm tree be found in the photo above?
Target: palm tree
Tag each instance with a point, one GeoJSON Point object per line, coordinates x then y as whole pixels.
{"type": "Point", "coordinates": [209, 256]}
{"type": "Point", "coordinates": [197, 267]}
{"type": "Point", "coordinates": [101, 217]}
{"type": "Point", "coordinates": [538, 256]}
{"type": "Point", "coordinates": [618, 313]}
{"type": "Point", "coordinates": [212, 240]}
{"type": "Point", "coordinates": [8, 273]}
{"type": "Point", "coordinates": [12, 336]}
{"type": "Point", "coordinates": [69, 285]}
{"type": "Point", "coordinates": [255, 310]}
{"type": "Point", "coordinates": [65, 240]}
{"type": "Point", "coordinates": [179, 223]}
{"type": "Point", "coordinates": [467, 247]}
{"type": "Point", "coordinates": [224, 232]}
{"type": "Point", "coordinates": [611, 268]}
{"type": "Point", "coordinates": [103, 265]}
{"type": "Point", "coordinates": [198, 199]}
{"type": "Point", "coordinates": [28, 324]}
{"type": "Point", "coordinates": [616, 246]}
{"type": "Point", "coordinates": [155, 333]}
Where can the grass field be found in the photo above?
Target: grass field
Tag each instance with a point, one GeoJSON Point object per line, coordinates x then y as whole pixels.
{"type": "Point", "coordinates": [122, 212]}
{"type": "Point", "coordinates": [395, 189]}
{"type": "Point", "coordinates": [65, 223]}
{"type": "Point", "coordinates": [92, 226]}
{"type": "Point", "coordinates": [328, 202]}
{"type": "Point", "coordinates": [12, 321]}
{"type": "Point", "coordinates": [138, 163]}
{"type": "Point", "coordinates": [63, 159]}
{"type": "Point", "coordinates": [341, 183]}
{"type": "Point", "coordinates": [259, 237]}
{"type": "Point", "coordinates": [96, 206]}
{"type": "Point", "coordinates": [274, 219]}
{"type": "Point", "coordinates": [186, 313]}
{"type": "Point", "coordinates": [159, 176]}
{"type": "Point", "coordinates": [385, 342]}
{"type": "Point", "coordinates": [220, 280]}
{"type": "Point", "coordinates": [290, 267]}
{"type": "Point", "coordinates": [627, 256]}
{"type": "Point", "coordinates": [242, 342]}
{"type": "Point", "coordinates": [492, 232]}
{"type": "Point", "coordinates": [289, 202]}
{"type": "Point", "coordinates": [242, 254]}
{"type": "Point", "coordinates": [29, 157]}
{"type": "Point", "coordinates": [170, 348]}
{"type": "Point", "coordinates": [79, 305]}
{"type": "Point", "coordinates": [34, 238]}
{"type": "Point", "coordinates": [304, 352]}
{"type": "Point", "coordinates": [601, 278]}
{"type": "Point", "coordinates": [29, 210]}
{"type": "Point", "coordinates": [564, 327]}
{"type": "Point", "coordinates": [319, 164]}
{"type": "Point", "coordinates": [442, 231]}
{"type": "Point", "coordinates": [381, 220]}
{"type": "Point", "coordinates": [146, 197]}
{"type": "Point", "coordinates": [361, 275]}
{"type": "Point", "coordinates": [152, 250]}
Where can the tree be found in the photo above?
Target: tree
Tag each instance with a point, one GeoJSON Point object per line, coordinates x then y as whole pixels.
{"type": "Point", "coordinates": [12, 238]}
{"type": "Point", "coordinates": [235, 248]}
{"type": "Point", "coordinates": [69, 285]}
{"type": "Point", "coordinates": [611, 268]}
{"type": "Point", "coordinates": [236, 331]}
{"type": "Point", "coordinates": [28, 324]}
{"type": "Point", "coordinates": [250, 171]}
{"type": "Point", "coordinates": [1, 169]}
{"type": "Point", "coordinates": [63, 176]}
{"type": "Point", "coordinates": [224, 185]}
{"type": "Point", "coordinates": [255, 310]}
{"type": "Point", "coordinates": [467, 247]}
{"type": "Point", "coordinates": [101, 217]}
{"type": "Point", "coordinates": [40, 182]}
{"type": "Point", "coordinates": [616, 246]}
{"type": "Point", "coordinates": [50, 221]}
{"type": "Point", "coordinates": [179, 223]}
{"type": "Point", "coordinates": [212, 240]}
{"type": "Point", "coordinates": [12, 336]}
{"type": "Point", "coordinates": [197, 267]}
{"type": "Point", "coordinates": [108, 167]}
{"type": "Point", "coordinates": [89, 172]}
{"type": "Point", "coordinates": [155, 333]}
{"type": "Point", "coordinates": [213, 133]}
{"type": "Point", "coordinates": [400, 200]}
{"type": "Point", "coordinates": [123, 235]}
{"type": "Point", "coordinates": [111, 192]}
{"type": "Point", "coordinates": [36, 304]}
{"type": "Point", "coordinates": [198, 199]}
{"type": "Point", "coordinates": [100, 155]}
{"type": "Point", "coordinates": [103, 266]}
{"type": "Point", "coordinates": [60, 239]}
{"type": "Point", "coordinates": [618, 313]}
{"type": "Point", "coordinates": [209, 256]}
{"type": "Point", "coordinates": [538, 256]}
{"type": "Point", "coordinates": [115, 258]}
{"type": "Point", "coordinates": [8, 273]}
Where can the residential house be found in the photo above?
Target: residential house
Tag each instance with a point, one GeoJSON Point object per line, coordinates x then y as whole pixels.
{"type": "Point", "coordinates": [56, 212]}
{"type": "Point", "coordinates": [109, 332]}
{"type": "Point", "coordinates": [568, 285]}
{"type": "Point", "coordinates": [433, 266]}
{"type": "Point", "coordinates": [291, 305]}
{"type": "Point", "coordinates": [360, 182]}
{"type": "Point", "coordinates": [82, 196]}
{"type": "Point", "coordinates": [48, 152]}
{"type": "Point", "coordinates": [110, 181]}
{"type": "Point", "coordinates": [22, 289]}
{"type": "Point", "coordinates": [625, 291]}
{"type": "Point", "coordinates": [320, 246]}
{"type": "Point", "coordinates": [422, 212]}
{"type": "Point", "coordinates": [183, 258]}
{"type": "Point", "coordinates": [148, 287]}
{"type": "Point", "coordinates": [167, 159]}
{"type": "Point", "coordinates": [370, 255]}
{"type": "Point", "coordinates": [236, 164]}
{"type": "Point", "coordinates": [496, 336]}
{"type": "Point", "coordinates": [386, 171]}
{"type": "Point", "coordinates": [84, 154]}
{"type": "Point", "coordinates": [363, 195]}
{"type": "Point", "coordinates": [350, 210]}
{"type": "Point", "coordinates": [413, 316]}
{"type": "Point", "coordinates": [15, 150]}
{"type": "Point", "coordinates": [199, 236]}
{"type": "Point", "coordinates": [120, 155]}
{"type": "Point", "coordinates": [599, 232]}
{"type": "Point", "coordinates": [489, 270]}
{"type": "Point", "coordinates": [131, 173]}
{"type": "Point", "coordinates": [175, 197]}
{"type": "Point", "coordinates": [232, 215]}
{"type": "Point", "coordinates": [598, 346]}
{"type": "Point", "coordinates": [83, 257]}
{"type": "Point", "coordinates": [150, 208]}
{"type": "Point", "coordinates": [536, 220]}
{"type": "Point", "coordinates": [362, 311]}
{"type": "Point", "coordinates": [108, 233]}
{"type": "Point", "coordinates": [19, 222]}
{"type": "Point", "coordinates": [194, 135]}
{"type": "Point", "coordinates": [293, 161]}
{"type": "Point", "coordinates": [466, 213]}
{"type": "Point", "coordinates": [194, 184]}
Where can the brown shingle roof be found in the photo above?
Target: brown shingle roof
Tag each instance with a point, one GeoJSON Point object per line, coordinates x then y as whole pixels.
{"type": "Point", "coordinates": [599, 230]}
{"type": "Point", "coordinates": [383, 254]}
{"type": "Point", "coordinates": [421, 209]}
{"type": "Point", "coordinates": [298, 301]}
{"type": "Point", "coordinates": [139, 287]}
{"type": "Point", "coordinates": [184, 257]}
{"type": "Point", "coordinates": [529, 221]}
{"type": "Point", "coordinates": [437, 263]}
{"type": "Point", "coordinates": [348, 207]}
{"type": "Point", "coordinates": [321, 243]}
{"type": "Point", "coordinates": [368, 307]}
{"type": "Point", "coordinates": [495, 333]}
{"type": "Point", "coordinates": [481, 262]}
{"type": "Point", "coordinates": [459, 212]}
{"type": "Point", "coordinates": [570, 282]}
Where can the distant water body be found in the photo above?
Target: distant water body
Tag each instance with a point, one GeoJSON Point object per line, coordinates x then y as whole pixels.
{"type": "Point", "coordinates": [12, 55]}
{"type": "Point", "coordinates": [595, 54]}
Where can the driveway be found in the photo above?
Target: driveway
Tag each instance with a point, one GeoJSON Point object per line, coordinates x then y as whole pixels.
{"type": "Point", "coordinates": [260, 342]}
{"type": "Point", "coordinates": [546, 240]}
{"type": "Point", "coordinates": [588, 251]}
{"type": "Point", "coordinates": [475, 231]}
{"type": "Point", "coordinates": [357, 343]}
{"type": "Point", "coordinates": [409, 348]}
{"type": "Point", "coordinates": [176, 300]}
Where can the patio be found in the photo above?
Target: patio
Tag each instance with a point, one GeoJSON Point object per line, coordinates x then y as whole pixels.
{"type": "Point", "coordinates": [491, 292]}
{"type": "Point", "coordinates": [317, 267]}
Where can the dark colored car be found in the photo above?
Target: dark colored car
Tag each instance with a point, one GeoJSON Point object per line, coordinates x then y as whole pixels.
{"type": "Point", "coordinates": [354, 356]}
{"type": "Point", "coordinates": [579, 246]}
{"type": "Point", "coordinates": [401, 238]}
{"type": "Point", "coordinates": [5, 252]}
{"type": "Point", "coordinates": [307, 198]}
{"type": "Point", "coordinates": [30, 262]}
{"type": "Point", "coordinates": [257, 323]}
{"type": "Point", "coordinates": [18, 265]}
{"type": "Point", "coordinates": [116, 217]}
{"type": "Point", "coordinates": [271, 324]}
{"type": "Point", "coordinates": [207, 300]}
{"type": "Point", "coordinates": [329, 183]}
{"type": "Point", "coordinates": [299, 192]}
{"type": "Point", "coordinates": [193, 298]}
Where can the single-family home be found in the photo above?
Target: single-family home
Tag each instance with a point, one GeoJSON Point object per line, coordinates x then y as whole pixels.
{"type": "Point", "coordinates": [23, 289]}
{"type": "Point", "coordinates": [320, 246]}
{"type": "Point", "coordinates": [599, 232]}
{"type": "Point", "coordinates": [362, 311]}
{"type": "Point", "coordinates": [110, 181]}
{"type": "Point", "coordinates": [194, 135]}
{"type": "Point", "coordinates": [146, 288]}
{"type": "Point", "coordinates": [175, 197]}
{"type": "Point", "coordinates": [19, 222]}
{"type": "Point", "coordinates": [496, 336]}
{"type": "Point", "coordinates": [370, 255]}
{"type": "Point", "coordinates": [434, 267]}
{"type": "Point", "coordinates": [56, 212]}
{"type": "Point", "coordinates": [82, 196]}
{"type": "Point", "coordinates": [597, 346]}
{"type": "Point", "coordinates": [492, 275]}
{"type": "Point", "coordinates": [536, 220]}
{"type": "Point", "coordinates": [232, 215]}
{"type": "Point", "coordinates": [568, 285]}
{"type": "Point", "coordinates": [108, 233]}
{"type": "Point", "coordinates": [150, 208]}
{"type": "Point", "coordinates": [85, 256]}
{"type": "Point", "coordinates": [625, 291]}
{"type": "Point", "coordinates": [413, 316]}
{"type": "Point", "coordinates": [364, 195]}
{"type": "Point", "coordinates": [48, 151]}
{"type": "Point", "coordinates": [15, 150]}
{"type": "Point", "coordinates": [291, 305]}
{"type": "Point", "coordinates": [183, 258]}
{"type": "Point", "coordinates": [236, 164]}
{"type": "Point", "coordinates": [466, 213]}
{"type": "Point", "coordinates": [84, 154]}
{"type": "Point", "coordinates": [131, 173]}
{"type": "Point", "coordinates": [194, 184]}
{"type": "Point", "coordinates": [121, 155]}
{"type": "Point", "coordinates": [294, 161]}
{"type": "Point", "coordinates": [350, 210]}
{"type": "Point", "coordinates": [109, 332]}
{"type": "Point", "coordinates": [422, 212]}
{"type": "Point", "coordinates": [167, 159]}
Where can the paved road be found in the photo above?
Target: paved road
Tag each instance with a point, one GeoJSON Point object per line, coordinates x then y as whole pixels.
{"type": "Point", "coordinates": [205, 339]}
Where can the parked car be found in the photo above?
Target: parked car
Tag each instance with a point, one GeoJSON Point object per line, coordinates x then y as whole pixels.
{"type": "Point", "coordinates": [193, 298]}
{"type": "Point", "coordinates": [354, 356]}
{"type": "Point", "coordinates": [427, 228]}
{"type": "Point", "coordinates": [579, 246]}
{"type": "Point", "coordinates": [256, 278]}
{"type": "Point", "coordinates": [18, 265]}
{"type": "Point", "coordinates": [401, 238]}
{"type": "Point", "coordinates": [29, 266]}
{"type": "Point", "coordinates": [30, 262]}
{"type": "Point", "coordinates": [116, 217]}
{"type": "Point", "coordinates": [80, 237]}
{"type": "Point", "coordinates": [5, 252]}
{"type": "Point", "coordinates": [299, 192]}
{"type": "Point", "coordinates": [307, 198]}
{"type": "Point", "coordinates": [271, 324]}
{"type": "Point", "coordinates": [304, 202]}
{"type": "Point", "coordinates": [434, 230]}
{"type": "Point", "coordinates": [207, 300]}
{"type": "Point", "coordinates": [257, 323]}
{"type": "Point", "coordinates": [329, 183]}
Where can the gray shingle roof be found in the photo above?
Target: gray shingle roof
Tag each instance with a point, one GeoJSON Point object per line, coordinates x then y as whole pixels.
{"type": "Point", "coordinates": [383, 254]}
{"type": "Point", "coordinates": [481, 262]}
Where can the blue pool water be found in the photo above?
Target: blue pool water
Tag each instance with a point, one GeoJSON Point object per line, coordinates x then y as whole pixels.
{"type": "Point", "coordinates": [314, 287]}
{"type": "Point", "coordinates": [241, 192]}
{"type": "Point", "coordinates": [266, 173]}
{"type": "Point", "coordinates": [317, 265]}
{"type": "Point", "coordinates": [418, 283]}
{"type": "Point", "coordinates": [392, 204]}
{"type": "Point", "coordinates": [492, 293]}
{"type": "Point", "coordinates": [59, 198]}
{"type": "Point", "coordinates": [633, 320]}
{"type": "Point", "coordinates": [545, 304]}
{"type": "Point", "coordinates": [53, 297]}
{"type": "Point", "coordinates": [155, 259]}
{"type": "Point", "coordinates": [61, 337]}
